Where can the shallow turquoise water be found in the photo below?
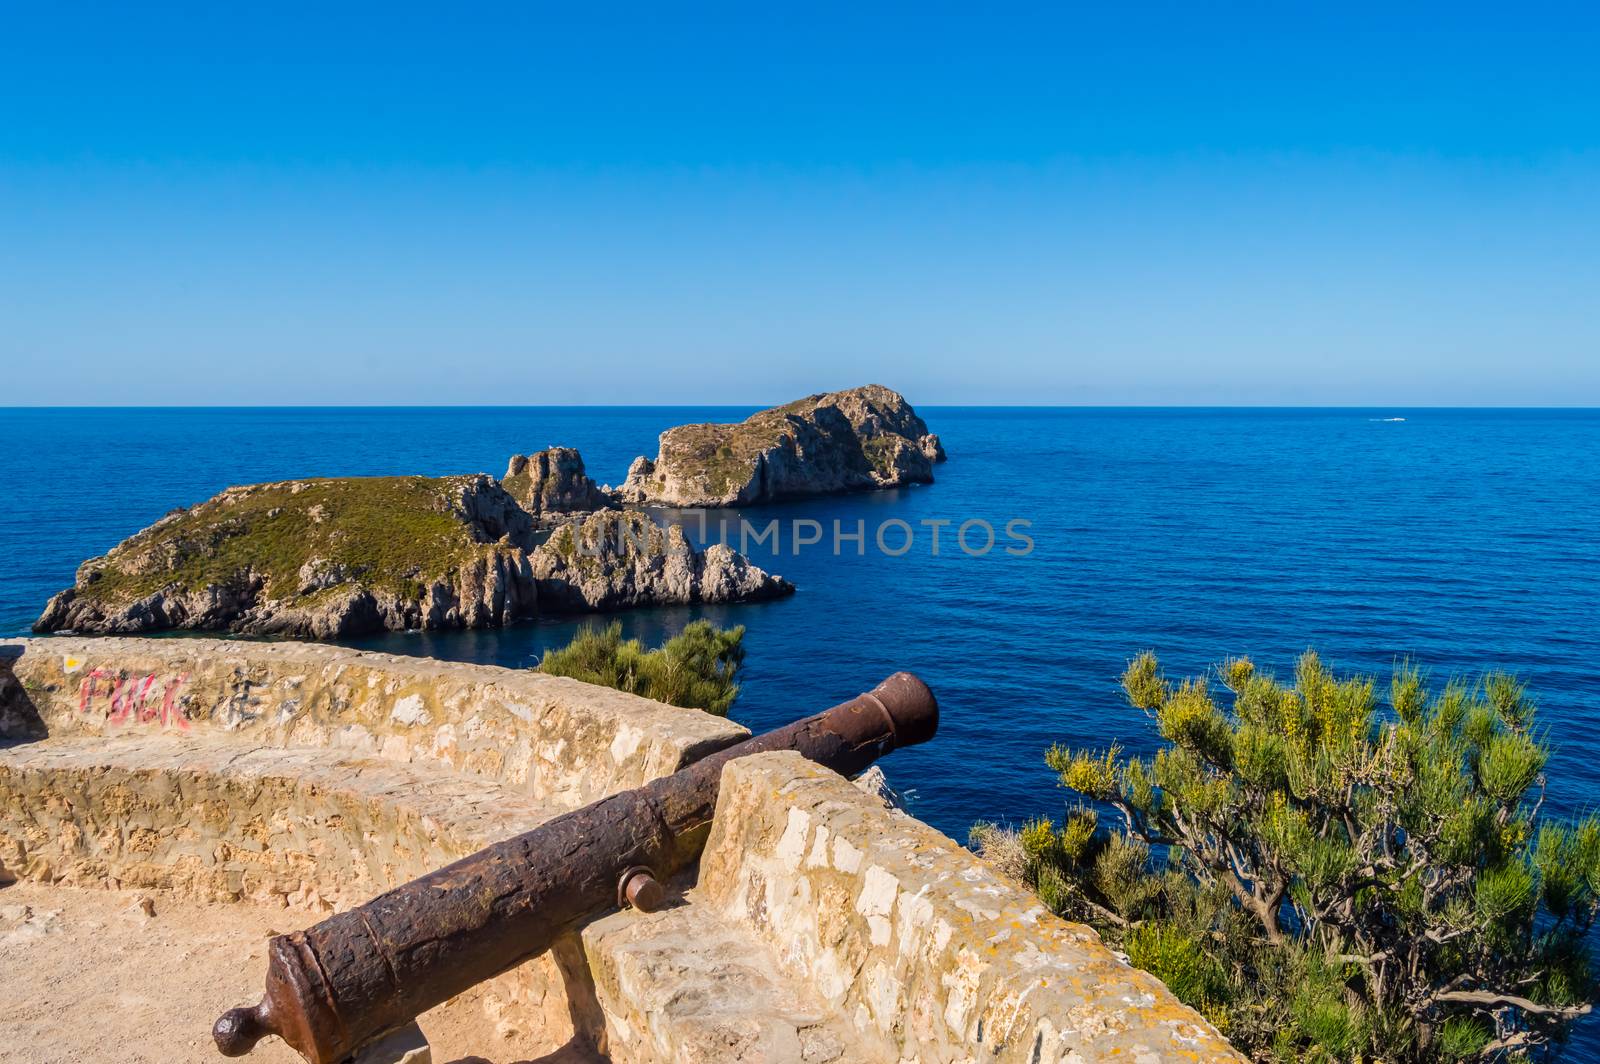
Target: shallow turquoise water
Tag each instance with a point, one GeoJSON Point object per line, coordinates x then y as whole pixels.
{"type": "Point", "coordinates": [1462, 539]}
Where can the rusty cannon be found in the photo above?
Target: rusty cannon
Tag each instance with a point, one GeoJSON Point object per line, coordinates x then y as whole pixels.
{"type": "Point", "coordinates": [334, 987]}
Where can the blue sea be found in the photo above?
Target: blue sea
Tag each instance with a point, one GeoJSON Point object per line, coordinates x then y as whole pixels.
{"type": "Point", "coordinates": [1461, 539]}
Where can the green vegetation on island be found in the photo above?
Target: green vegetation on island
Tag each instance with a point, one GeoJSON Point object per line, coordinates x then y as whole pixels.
{"type": "Point", "coordinates": [1327, 878]}
{"type": "Point", "coordinates": [395, 532]}
{"type": "Point", "coordinates": [339, 557]}
{"type": "Point", "coordinates": [853, 440]}
{"type": "Point", "coordinates": [697, 668]}
{"type": "Point", "coordinates": [326, 558]}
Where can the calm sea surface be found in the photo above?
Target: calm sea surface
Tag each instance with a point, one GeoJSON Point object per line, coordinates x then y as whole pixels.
{"type": "Point", "coordinates": [1462, 539]}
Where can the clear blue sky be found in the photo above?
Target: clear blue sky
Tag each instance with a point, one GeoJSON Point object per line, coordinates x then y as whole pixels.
{"type": "Point", "coordinates": [1267, 203]}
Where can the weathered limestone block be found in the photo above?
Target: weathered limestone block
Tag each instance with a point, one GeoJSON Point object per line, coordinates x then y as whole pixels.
{"type": "Point", "coordinates": [314, 830]}
{"type": "Point", "coordinates": [407, 1045]}
{"type": "Point", "coordinates": [212, 819]}
{"type": "Point", "coordinates": [899, 937]}
{"type": "Point", "coordinates": [564, 742]}
{"type": "Point", "coordinates": [683, 986]}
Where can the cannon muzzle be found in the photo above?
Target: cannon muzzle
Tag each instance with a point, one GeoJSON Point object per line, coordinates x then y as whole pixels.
{"type": "Point", "coordinates": [334, 987]}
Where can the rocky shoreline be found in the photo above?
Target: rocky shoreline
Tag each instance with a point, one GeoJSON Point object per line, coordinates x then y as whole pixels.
{"type": "Point", "coordinates": [622, 559]}
{"type": "Point", "coordinates": [337, 558]}
{"type": "Point", "coordinates": [342, 557]}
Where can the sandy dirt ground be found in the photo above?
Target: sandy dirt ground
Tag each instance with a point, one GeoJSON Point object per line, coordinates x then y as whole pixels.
{"type": "Point", "coordinates": [91, 976]}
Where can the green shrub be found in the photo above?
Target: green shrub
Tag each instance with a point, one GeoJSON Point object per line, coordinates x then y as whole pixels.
{"type": "Point", "coordinates": [1175, 958]}
{"type": "Point", "coordinates": [1327, 878]}
{"type": "Point", "coordinates": [696, 668]}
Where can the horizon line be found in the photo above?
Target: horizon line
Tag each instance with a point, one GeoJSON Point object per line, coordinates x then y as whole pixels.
{"type": "Point", "coordinates": [767, 405]}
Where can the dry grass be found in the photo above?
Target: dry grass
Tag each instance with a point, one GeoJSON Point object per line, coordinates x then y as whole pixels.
{"type": "Point", "coordinates": [1002, 848]}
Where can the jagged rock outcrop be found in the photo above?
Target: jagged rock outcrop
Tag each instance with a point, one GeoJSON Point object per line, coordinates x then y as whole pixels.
{"type": "Point", "coordinates": [551, 485]}
{"type": "Point", "coordinates": [323, 558]}
{"type": "Point", "coordinates": [853, 440]}
{"type": "Point", "coordinates": [874, 782]}
{"type": "Point", "coordinates": [612, 560]}
{"type": "Point", "coordinates": [335, 558]}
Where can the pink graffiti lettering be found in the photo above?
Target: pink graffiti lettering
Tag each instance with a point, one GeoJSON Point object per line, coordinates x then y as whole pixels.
{"type": "Point", "coordinates": [133, 699]}
{"type": "Point", "coordinates": [149, 710]}
{"type": "Point", "coordinates": [170, 712]}
{"type": "Point", "coordinates": [86, 690]}
{"type": "Point", "coordinates": [118, 709]}
{"type": "Point", "coordinates": [134, 707]}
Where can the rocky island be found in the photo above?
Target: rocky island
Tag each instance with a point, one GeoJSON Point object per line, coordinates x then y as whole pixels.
{"type": "Point", "coordinates": [855, 440]}
{"type": "Point", "coordinates": [346, 556]}
{"type": "Point", "coordinates": [340, 557]}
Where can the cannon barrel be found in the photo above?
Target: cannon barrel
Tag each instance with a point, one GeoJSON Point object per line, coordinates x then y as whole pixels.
{"type": "Point", "coordinates": [334, 987]}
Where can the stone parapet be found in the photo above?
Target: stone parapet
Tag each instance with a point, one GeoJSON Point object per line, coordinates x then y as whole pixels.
{"type": "Point", "coordinates": [565, 742]}
{"type": "Point", "coordinates": [851, 931]}
{"type": "Point", "coordinates": [211, 819]}
{"type": "Point", "coordinates": [311, 776]}
{"type": "Point", "coordinates": [824, 925]}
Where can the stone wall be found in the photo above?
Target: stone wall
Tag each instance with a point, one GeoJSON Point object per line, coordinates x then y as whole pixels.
{"type": "Point", "coordinates": [306, 775]}
{"type": "Point", "coordinates": [565, 742]}
{"type": "Point", "coordinates": [849, 931]}
{"type": "Point", "coordinates": [823, 926]}
{"type": "Point", "coordinates": [210, 819]}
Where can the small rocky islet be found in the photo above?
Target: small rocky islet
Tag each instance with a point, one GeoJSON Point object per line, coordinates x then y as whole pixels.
{"type": "Point", "coordinates": [856, 440]}
{"type": "Point", "coordinates": [347, 556]}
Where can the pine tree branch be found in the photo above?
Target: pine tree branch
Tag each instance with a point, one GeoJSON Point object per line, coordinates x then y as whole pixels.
{"type": "Point", "coordinates": [1491, 999]}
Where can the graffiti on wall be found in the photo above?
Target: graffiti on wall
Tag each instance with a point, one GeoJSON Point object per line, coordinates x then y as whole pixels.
{"type": "Point", "coordinates": [119, 698]}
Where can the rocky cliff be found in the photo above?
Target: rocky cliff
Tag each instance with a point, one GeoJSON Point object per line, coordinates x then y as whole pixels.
{"type": "Point", "coordinates": [853, 440]}
{"type": "Point", "coordinates": [551, 485]}
{"type": "Point", "coordinates": [612, 560]}
{"type": "Point", "coordinates": [319, 558]}
{"type": "Point", "coordinates": [342, 557]}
